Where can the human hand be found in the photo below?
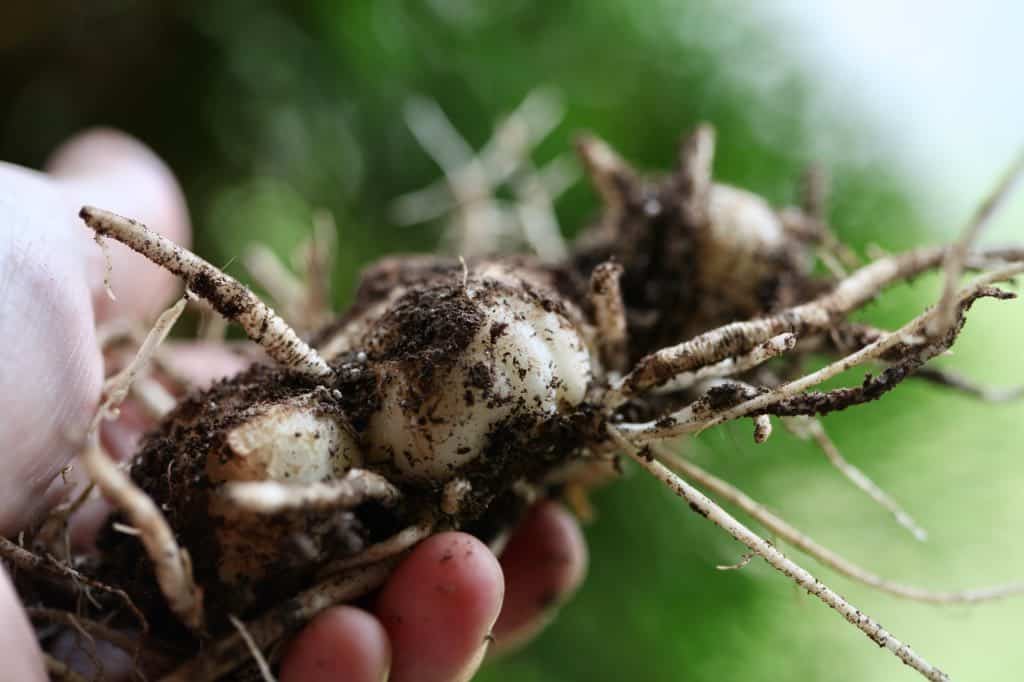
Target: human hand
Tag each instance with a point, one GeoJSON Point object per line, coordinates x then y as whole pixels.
{"type": "Point", "coordinates": [430, 622]}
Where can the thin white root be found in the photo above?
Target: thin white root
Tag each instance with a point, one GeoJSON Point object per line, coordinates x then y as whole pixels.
{"type": "Point", "coordinates": [271, 497]}
{"type": "Point", "coordinates": [385, 549]}
{"type": "Point", "coordinates": [808, 428]}
{"type": "Point", "coordinates": [479, 224]}
{"type": "Point", "coordinates": [823, 554]}
{"type": "Point", "coordinates": [117, 387]}
{"type": "Point", "coordinates": [538, 114]}
{"type": "Point", "coordinates": [957, 255]}
{"type": "Point", "coordinates": [536, 213]}
{"type": "Point", "coordinates": [610, 315]}
{"type": "Point", "coordinates": [695, 418]}
{"type": "Point", "coordinates": [108, 267]}
{"type": "Point", "coordinates": [257, 655]}
{"type": "Point", "coordinates": [171, 563]}
{"type": "Point", "coordinates": [701, 504]}
{"type": "Point", "coordinates": [220, 658]}
{"type": "Point", "coordinates": [959, 382]}
{"type": "Point", "coordinates": [227, 295]}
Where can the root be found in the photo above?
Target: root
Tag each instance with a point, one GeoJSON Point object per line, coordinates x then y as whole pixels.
{"type": "Point", "coordinates": [171, 563]}
{"type": "Point", "coordinates": [609, 174]}
{"type": "Point", "coordinates": [117, 387]}
{"type": "Point", "coordinates": [385, 549]}
{"type": "Point", "coordinates": [270, 497]}
{"type": "Point", "coordinates": [945, 316]}
{"type": "Point", "coordinates": [317, 257]}
{"type": "Point", "coordinates": [535, 209]}
{"type": "Point", "coordinates": [701, 415]}
{"type": "Point", "coordinates": [222, 657]}
{"type": "Point", "coordinates": [257, 655]}
{"type": "Point", "coordinates": [958, 382]}
{"type": "Point", "coordinates": [63, 576]}
{"type": "Point", "coordinates": [470, 180]}
{"type": "Point", "coordinates": [822, 554]}
{"type": "Point", "coordinates": [702, 505]}
{"type": "Point", "coordinates": [108, 267]}
{"type": "Point", "coordinates": [479, 223]}
{"type": "Point", "coordinates": [815, 317]}
{"type": "Point", "coordinates": [806, 428]}
{"type": "Point", "coordinates": [772, 348]}
{"type": "Point", "coordinates": [231, 299]}
{"type": "Point", "coordinates": [610, 315]}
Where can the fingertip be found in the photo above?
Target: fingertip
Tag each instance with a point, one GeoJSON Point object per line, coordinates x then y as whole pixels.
{"type": "Point", "coordinates": [544, 563]}
{"type": "Point", "coordinates": [18, 647]}
{"type": "Point", "coordinates": [439, 608]}
{"type": "Point", "coordinates": [115, 171]}
{"type": "Point", "coordinates": [342, 643]}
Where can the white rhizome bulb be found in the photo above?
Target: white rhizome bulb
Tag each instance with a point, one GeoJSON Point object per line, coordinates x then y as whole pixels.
{"type": "Point", "coordinates": [521, 356]}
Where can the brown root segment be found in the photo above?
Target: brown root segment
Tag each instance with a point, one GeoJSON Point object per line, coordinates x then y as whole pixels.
{"type": "Point", "coordinates": [230, 297]}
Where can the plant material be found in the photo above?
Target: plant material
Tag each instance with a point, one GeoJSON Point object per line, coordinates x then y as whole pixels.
{"type": "Point", "coordinates": [456, 392]}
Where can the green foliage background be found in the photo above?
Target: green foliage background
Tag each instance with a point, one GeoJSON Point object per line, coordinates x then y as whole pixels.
{"type": "Point", "coordinates": [267, 110]}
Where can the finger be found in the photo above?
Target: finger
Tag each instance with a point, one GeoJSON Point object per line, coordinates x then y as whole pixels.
{"type": "Point", "coordinates": [439, 607]}
{"type": "Point", "coordinates": [53, 371]}
{"type": "Point", "coordinates": [48, 268]}
{"type": "Point", "coordinates": [19, 651]}
{"type": "Point", "coordinates": [343, 643]}
{"type": "Point", "coordinates": [114, 171]}
{"type": "Point", "coordinates": [544, 562]}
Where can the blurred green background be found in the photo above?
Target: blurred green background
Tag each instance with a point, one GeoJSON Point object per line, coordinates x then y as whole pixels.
{"type": "Point", "coordinates": [270, 110]}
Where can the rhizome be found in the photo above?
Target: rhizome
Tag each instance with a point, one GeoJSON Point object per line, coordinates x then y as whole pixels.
{"type": "Point", "coordinates": [457, 391]}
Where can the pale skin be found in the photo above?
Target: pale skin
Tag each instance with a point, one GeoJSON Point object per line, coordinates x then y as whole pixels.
{"type": "Point", "coordinates": [429, 623]}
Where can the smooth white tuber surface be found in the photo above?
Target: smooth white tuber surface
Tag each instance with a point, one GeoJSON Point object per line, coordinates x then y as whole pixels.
{"type": "Point", "coordinates": [538, 363]}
